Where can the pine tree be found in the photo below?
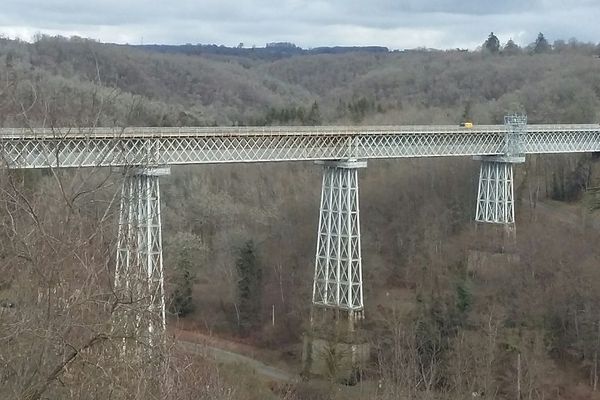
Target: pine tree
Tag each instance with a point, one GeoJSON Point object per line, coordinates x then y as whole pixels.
{"type": "Point", "coordinates": [464, 296]}
{"type": "Point", "coordinates": [541, 44]}
{"type": "Point", "coordinates": [466, 117]}
{"type": "Point", "coordinates": [187, 252]}
{"type": "Point", "coordinates": [511, 48]}
{"type": "Point", "coordinates": [314, 115]}
{"type": "Point", "coordinates": [492, 44]}
{"type": "Point", "coordinates": [249, 293]}
{"type": "Point", "coordinates": [181, 303]}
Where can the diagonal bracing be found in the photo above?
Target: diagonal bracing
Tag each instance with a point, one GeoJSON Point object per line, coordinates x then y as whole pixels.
{"type": "Point", "coordinates": [43, 148]}
{"type": "Point", "coordinates": [495, 194]}
{"type": "Point", "coordinates": [495, 198]}
{"type": "Point", "coordinates": [338, 265]}
{"type": "Point", "coordinates": [139, 280]}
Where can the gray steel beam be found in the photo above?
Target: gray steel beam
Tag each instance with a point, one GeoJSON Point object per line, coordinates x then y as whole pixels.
{"type": "Point", "coordinates": [43, 148]}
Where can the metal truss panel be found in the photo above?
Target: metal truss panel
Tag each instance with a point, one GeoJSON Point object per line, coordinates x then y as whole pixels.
{"type": "Point", "coordinates": [43, 148]}
{"type": "Point", "coordinates": [553, 139]}
{"type": "Point", "coordinates": [495, 196]}
{"type": "Point", "coordinates": [338, 268]}
{"type": "Point", "coordinates": [139, 279]}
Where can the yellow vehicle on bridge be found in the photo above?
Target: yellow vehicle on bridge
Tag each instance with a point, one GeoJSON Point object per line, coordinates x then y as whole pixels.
{"type": "Point", "coordinates": [466, 124]}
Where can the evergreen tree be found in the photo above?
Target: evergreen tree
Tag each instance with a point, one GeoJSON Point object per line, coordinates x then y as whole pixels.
{"type": "Point", "coordinates": [249, 287]}
{"type": "Point", "coordinates": [466, 117]}
{"type": "Point", "coordinates": [314, 115]}
{"type": "Point", "coordinates": [492, 44]}
{"type": "Point", "coordinates": [359, 108]}
{"type": "Point", "coordinates": [464, 297]}
{"type": "Point", "coordinates": [181, 302]}
{"type": "Point", "coordinates": [185, 252]}
{"type": "Point", "coordinates": [541, 44]}
{"type": "Point", "coordinates": [511, 48]}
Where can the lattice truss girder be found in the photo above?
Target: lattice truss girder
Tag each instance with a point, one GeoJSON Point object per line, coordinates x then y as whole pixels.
{"type": "Point", "coordinates": [168, 146]}
{"type": "Point", "coordinates": [139, 280]}
{"type": "Point", "coordinates": [495, 195]}
{"type": "Point", "coordinates": [338, 267]}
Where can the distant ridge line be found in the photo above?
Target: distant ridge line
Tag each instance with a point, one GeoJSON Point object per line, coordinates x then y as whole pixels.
{"type": "Point", "coordinates": [270, 51]}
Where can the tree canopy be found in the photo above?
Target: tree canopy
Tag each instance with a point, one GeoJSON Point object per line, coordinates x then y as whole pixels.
{"type": "Point", "coordinates": [541, 44]}
{"type": "Point", "coordinates": [492, 43]}
{"type": "Point", "coordinates": [511, 48]}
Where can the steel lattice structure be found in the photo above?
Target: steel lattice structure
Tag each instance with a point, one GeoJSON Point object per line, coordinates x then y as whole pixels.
{"type": "Point", "coordinates": [338, 267]}
{"type": "Point", "coordinates": [495, 194]}
{"type": "Point", "coordinates": [139, 279]}
{"type": "Point", "coordinates": [43, 148]}
{"type": "Point", "coordinates": [338, 270]}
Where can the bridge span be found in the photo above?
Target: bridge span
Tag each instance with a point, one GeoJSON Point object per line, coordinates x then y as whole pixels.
{"type": "Point", "coordinates": [147, 153]}
{"type": "Point", "coordinates": [95, 147]}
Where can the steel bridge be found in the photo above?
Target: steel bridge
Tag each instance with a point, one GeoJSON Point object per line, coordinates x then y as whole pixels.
{"type": "Point", "coordinates": [102, 147]}
{"type": "Point", "coordinates": [147, 153]}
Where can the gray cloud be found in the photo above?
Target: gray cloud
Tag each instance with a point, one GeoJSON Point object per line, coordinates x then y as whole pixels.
{"type": "Point", "coordinates": [392, 23]}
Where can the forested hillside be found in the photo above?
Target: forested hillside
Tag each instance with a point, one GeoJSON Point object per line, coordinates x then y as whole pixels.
{"type": "Point", "coordinates": [441, 325]}
{"type": "Point", "coordinates": [147, 88]}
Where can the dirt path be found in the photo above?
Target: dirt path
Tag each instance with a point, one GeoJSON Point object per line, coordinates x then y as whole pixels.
{"type": "Point", "coordinates": [229, 357]}
{"type": "Point", "coordinates": [231, 352]}
{"type": "Point", "coordinates": [572, 215]}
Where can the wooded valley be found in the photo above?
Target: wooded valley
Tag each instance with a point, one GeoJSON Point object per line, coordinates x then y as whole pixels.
{"type": "Point", "coordinates": [442, 323]}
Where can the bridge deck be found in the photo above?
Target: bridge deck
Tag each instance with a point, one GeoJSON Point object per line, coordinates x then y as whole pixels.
{"type": "Point", "coordinates": [82, 147]}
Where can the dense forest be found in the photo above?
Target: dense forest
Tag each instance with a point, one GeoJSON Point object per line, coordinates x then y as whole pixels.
{"type": "Point", "coordinates": [137, 87]}
{"type": "Point", "coordinates": [446, 320]}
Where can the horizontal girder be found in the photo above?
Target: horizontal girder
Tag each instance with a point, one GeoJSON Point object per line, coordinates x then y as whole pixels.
{"type": "Point", "coordinates": [86, 147]}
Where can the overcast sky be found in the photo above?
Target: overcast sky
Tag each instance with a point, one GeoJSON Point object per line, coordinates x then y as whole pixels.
{"type": "Point", "coordinates": [397, 24]}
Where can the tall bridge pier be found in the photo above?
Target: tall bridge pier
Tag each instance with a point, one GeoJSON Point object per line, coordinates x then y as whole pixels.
{"type": "Point", "coordinates": [139, 279]}
{"type": "Point", "coordinates": [496, 243]}
{"type": "Point", "coordinates": [332, 346]}
{"type": "Point", "coordinates": [338, 264]}
{"type": "Point", "coordinates": [495, 194]}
